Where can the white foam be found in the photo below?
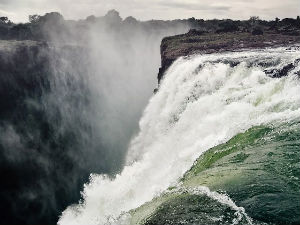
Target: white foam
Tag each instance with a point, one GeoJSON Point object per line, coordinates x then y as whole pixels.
{"type": "Point", "coordinates": [222, 198]}
{"type": "Point", "coordinates": [194, 110]}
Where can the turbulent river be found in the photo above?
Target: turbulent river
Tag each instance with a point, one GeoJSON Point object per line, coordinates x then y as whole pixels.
{"type": "Point", "coordinates": [218, 144]}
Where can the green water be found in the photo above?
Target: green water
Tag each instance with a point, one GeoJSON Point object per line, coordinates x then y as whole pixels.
{"type": "Point", "coordinates": [188, 208]}
{"type": "Point", "coordinates": [259, 170]}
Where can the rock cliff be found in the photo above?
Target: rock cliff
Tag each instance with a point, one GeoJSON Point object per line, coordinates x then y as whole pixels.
{"type": "Point", "coordinates": [197, 42]}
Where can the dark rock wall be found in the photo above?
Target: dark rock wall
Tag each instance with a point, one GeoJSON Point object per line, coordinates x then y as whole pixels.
{"type": "Point", "coordinates": [195, 42]}
{"type": "Point", "coordinates": [46, 142]}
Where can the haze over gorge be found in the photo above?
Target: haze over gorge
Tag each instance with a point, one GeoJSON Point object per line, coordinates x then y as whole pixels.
{"type": "Point", "coordinates": [111, 120]}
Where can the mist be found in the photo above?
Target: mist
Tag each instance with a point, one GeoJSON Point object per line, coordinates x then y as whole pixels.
{"type": "Point", "coordinates": [71, 100]}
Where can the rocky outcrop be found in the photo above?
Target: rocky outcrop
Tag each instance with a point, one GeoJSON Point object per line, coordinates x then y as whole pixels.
{"type": "Point", "coordinates": [196, 42]}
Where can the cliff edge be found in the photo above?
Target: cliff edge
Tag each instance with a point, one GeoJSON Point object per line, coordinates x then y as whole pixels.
{"type": "Point", "coordinates": [197, 42]}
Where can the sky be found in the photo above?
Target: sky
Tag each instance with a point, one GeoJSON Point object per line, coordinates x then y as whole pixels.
{"type": "Point", "coordinates": [18, 10]}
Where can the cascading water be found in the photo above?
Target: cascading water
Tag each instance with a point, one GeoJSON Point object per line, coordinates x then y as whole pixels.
{"type": "Point", "coordinates": [203, 101]}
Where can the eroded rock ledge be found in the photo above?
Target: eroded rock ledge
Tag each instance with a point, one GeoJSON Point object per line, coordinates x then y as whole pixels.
{"type": "Point", "coordinates": [196, 42]}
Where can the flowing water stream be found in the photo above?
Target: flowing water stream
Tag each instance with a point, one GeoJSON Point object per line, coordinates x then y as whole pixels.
{"type": "Point", "coordinates": [242, 124]}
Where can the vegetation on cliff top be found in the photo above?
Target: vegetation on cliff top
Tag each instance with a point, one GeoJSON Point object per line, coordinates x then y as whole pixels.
{"type": "Point", "coordinates": [228, 35]}
{"type": "Point", "coordinates": [53, 24]}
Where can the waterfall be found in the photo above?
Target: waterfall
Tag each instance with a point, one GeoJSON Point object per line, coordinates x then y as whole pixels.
{"type": "Point", "coordinates": [203, 101]}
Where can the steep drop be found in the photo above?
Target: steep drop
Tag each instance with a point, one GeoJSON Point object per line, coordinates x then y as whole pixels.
{"type": "Point", "coordinates": [203, 101]}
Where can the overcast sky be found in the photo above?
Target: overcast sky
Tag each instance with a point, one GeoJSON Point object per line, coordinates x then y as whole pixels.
{"type": "Point", "coordinates": [18, 10]}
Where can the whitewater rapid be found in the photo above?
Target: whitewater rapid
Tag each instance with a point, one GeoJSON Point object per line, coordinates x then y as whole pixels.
{"type": "Point", "coordinates": [204, 100]}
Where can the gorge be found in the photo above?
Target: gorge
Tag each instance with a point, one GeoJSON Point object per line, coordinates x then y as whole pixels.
{"type": "Point", "coordinates": [216, 144]}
